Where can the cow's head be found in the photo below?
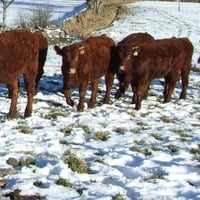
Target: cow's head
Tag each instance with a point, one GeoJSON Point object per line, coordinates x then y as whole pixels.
{"type": "Point", "coordinates": [127, 58]}
{"type": "Point", "coordinates": [70, 57]}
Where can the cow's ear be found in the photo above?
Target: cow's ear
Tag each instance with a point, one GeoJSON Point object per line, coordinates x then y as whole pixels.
{"type": "Point", "coordinates": [136, 50]}
{"type": "Point", "coordinates": [82, 50]}
{"type": "Point", "coordinates": [58, 50]}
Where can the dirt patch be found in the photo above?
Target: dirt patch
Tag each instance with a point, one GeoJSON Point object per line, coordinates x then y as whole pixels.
{"type": "Point", "coordinates": [98, 15]}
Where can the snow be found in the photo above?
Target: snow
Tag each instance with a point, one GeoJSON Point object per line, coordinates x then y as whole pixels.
{"type": "Point", "coordinates": [147, 154]}
{"type": "Point", "coordinates": [61, 10]}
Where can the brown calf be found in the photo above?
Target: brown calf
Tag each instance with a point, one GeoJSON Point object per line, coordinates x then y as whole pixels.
{"type": "Point", "coordinates": [19, 56]}
{"type": "Point", "coordinates": [168, 58]}
{"type": "Point", "coordinates": [126, 45]}
{"type": "Point", "coordinates": [85, 62]}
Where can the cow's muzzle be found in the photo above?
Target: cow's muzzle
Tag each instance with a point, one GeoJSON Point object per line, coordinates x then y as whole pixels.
{"type": "Point", "coordinates": [72, 71]}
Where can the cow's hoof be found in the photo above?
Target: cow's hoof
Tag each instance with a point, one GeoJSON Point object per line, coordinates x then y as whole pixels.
{"type": "Point", "coordinates": [71, 103]}
{"type": "Point", "coordinates": [80, 108]}
{"type": "Point", "coordinates": [11, 115]}
{"type": "Point", "coordinates": [117, 95]}
{"type": "Point", "coordinates": [91, 105]}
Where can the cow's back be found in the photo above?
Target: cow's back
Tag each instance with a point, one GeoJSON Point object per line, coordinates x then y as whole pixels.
{"type": "Point", "coordinates": [101, 50]}
{"type": "Point", "coordinates": [134, 39]}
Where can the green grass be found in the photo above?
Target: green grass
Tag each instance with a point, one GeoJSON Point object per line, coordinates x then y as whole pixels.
{"type": "Point", "coordinates": [166, 119]}
{"type": "Point", "coordinates": [173, 148]}
{"type": "Point", "coordinates": [118, 197]}
{"type": "Point", "coordinates": [64, 182]}
{"type": "Point", "coordinates": [101, 135]}
{"type": "Point", "coordinates": [54, 113]}
{"type": "Point", "coordinates": [195, 151]}
{"type": "Point", "coordinates": [120, 130]}
{"type": "Point", "coordinates": [27, 162]}
{"type": "Point", "coordinates": [85, 128]}
{"type": "Point", "coordinates": [66, 130]}
{"type": "Point", "coordinates": [76, 164]}
{"type": "Point", "coordinates": [157, 136]}
{"type": "Point", "coordinates": [139, 149]}
{"type": "Point", "coordinates": [24, 128]}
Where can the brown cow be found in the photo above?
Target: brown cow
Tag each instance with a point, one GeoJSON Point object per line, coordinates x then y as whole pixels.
{"type": "Point", "coordinates": [127, 44]}
{"type": "Point", "coordinates": [19, 56]}
{"type": "Point", "coordinates": [43, 48]}
{"type": "Point", "coordinates": [168, 58]}
{"type": "Point", "coordinates": [85, 62]}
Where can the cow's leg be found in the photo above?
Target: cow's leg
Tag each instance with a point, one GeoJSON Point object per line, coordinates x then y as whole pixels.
{"type": "Point", "coordinates": [122, 85]}
{"type": "Point", "coordinates": [109, 82]}
{"type": "Point", "coordinates": [166, 88]}
{"type": "Point", "coordinates": [38, 77]}
{"type": "Point", "coordinates": [144, 96]}
{"type": "Point", "coordinates": [184, 80]}
{"type": "Point", "coordinates": [170, 85]}
{"type": "Point", "coordinates": [138, 100]}
{"type": "Point", "coordinates": [13, 91]}
{"type": "Point", "coordinates": [94, 93]}
{"type": "Point", "coordinates": [67, 94]}
{"type": "Point", "coordinates": [121, 89]}
{"type": "Point", "coordinates": [134, 98]}
{"type": "Point", "coordinates": [139, 93]}
{"type": "Point", "coordinates": [137, 97]}
{"type": "Point", "coordinates": [9, 90]}
{"type": "Point", "coordinates": [30, 89]}
{"type": "Point", "coordinates": [82, 92]}
{"type": "Point", "coordinates": [146, 93]}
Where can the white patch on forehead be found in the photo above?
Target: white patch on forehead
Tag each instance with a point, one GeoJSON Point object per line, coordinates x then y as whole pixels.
{"type": "Point", "coordinates": [72, 70]}
{"type": "Point", "coordinates": [135, 53]}
{"type": "Point", "coordinates": [82, 51]}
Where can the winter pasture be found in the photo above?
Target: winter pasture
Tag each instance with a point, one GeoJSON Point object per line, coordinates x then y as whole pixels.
{"type": "Point", "coordinates": [110, 152]}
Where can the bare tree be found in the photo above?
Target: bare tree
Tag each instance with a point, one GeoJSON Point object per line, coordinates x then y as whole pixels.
{"type": "Point", "coordinates": [5, 5]}
{"type": "Point", "coordinates": [41, 16]}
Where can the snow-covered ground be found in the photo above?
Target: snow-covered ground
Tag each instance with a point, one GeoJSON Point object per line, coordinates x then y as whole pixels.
{"type": "Point", "coordinates": [153, 153]}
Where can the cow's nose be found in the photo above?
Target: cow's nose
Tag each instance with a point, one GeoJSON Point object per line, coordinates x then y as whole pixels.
{"type": "Point", "coordinates": [72, 70]}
